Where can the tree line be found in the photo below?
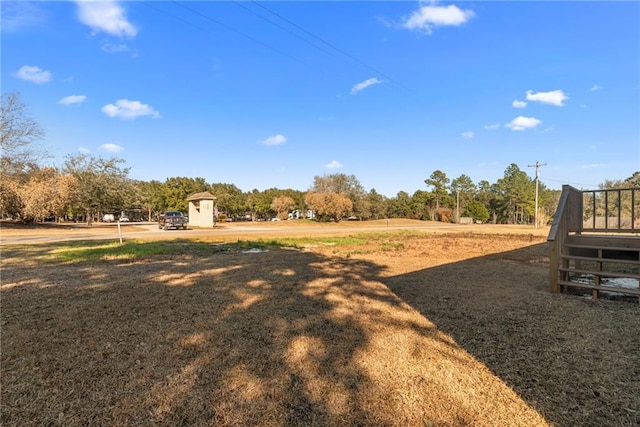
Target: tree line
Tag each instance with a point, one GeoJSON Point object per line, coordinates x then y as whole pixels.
{"type": "Point", "coordinates": [86, 187]}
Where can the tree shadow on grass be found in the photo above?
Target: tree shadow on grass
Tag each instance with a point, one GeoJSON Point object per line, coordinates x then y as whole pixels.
{"type": "Point", "coordinates": [229, 338]}
{"type": "Point", "coordinates": [274, 337]}
{"type": "Point", "coordinates": [573, 359]}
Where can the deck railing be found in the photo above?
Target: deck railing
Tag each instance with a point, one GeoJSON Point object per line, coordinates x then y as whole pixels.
{"type": "Point", "coordinates": [616, 211]}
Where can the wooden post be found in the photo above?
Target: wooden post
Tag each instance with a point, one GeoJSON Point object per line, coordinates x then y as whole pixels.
{"type": "Point", "coordinates": [553, 267]}
{"type": "Point", "coordinates": [597, 278]}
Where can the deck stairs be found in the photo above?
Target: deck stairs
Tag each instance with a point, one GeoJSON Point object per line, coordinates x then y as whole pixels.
{"type": "Point", "coordinates": [594, 242]}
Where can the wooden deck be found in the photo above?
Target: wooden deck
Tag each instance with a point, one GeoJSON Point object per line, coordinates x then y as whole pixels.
{"type": "Point", "coordinates": [583, 255]}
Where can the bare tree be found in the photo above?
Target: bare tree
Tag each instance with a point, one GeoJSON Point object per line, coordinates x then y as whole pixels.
{"type": "Point", "coordinates": [20, 136]}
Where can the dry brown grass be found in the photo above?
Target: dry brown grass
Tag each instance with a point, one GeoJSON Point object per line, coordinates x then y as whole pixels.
{"type": "Point", "coordinates": [406, 329]}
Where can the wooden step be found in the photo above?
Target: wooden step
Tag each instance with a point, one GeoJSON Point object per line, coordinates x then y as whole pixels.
{"type": "Point", "coordinates": [600, 288]}
{"type": "Point", "coordinates": [600, 273]}
{"type": "Point", "coordinates": [604, 248]}
{"type": "Point", "coordinates": [601, 259]}
{"type": "Point", "coordinates": [621, 243]}
{"type": "Point", "coordinates": [632, 254]}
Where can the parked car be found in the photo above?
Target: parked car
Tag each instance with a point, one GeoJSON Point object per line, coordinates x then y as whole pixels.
{"type": "Point", "coordinates": [108, 218]}
{"type": "Point", "coordinates": [124, 219]}
{"type": "Point", "coordinates": [172, 219]}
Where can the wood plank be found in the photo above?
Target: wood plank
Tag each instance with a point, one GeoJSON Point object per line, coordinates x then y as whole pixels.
{"type": "Point", "coordinates": [606, 242]}
{"type": "Point", "coordinates": [604, 247]}
{"type": "Point", "coordinates": [601, 273]}
{"type": "Point", "coordinates": [612, 260]}
{"type": "Point", "coordinates": [600, 288]}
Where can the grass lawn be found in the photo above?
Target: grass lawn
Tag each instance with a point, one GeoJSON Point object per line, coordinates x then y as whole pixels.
{"type": "Point", "coordinates": [400, 328]}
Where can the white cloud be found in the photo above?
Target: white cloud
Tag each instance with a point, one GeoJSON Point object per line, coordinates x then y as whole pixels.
{"type": "Point", "coordinates": [595, 88]}
{"type": "Point", "coordinates": [522, 123]}
{"type": "Point", "coordinates": [129, 110]}
{"type": "Point", "coordinates": [555, 97]}
{"type": "Point", "coordinates": [428, 17]}
{"type": "Point", "coordinates": [333, 165]}
{"type": "Point", "coordinates": [33, 74]}
{"type": "Point", "coordinates": [365, 84]}
{"type": "Point", "coordinates": [84, 150]}
{"type": "Point", "coordinates": [72, 99]}
{"type": "Point", "coordinates": [593, 166]}
{"type": "Point", "coordinates": [519, 104]}
{"type": "Point", "coordinates": [105, 16]}
{"type": "Point", "coordinates": [111, 148]}
{"type": "Point", "coordinates": [275, 140]}
{"type": "Point", "coordinates": [467, 135]}
{"type": "Point", "coordinates": [493, 126]}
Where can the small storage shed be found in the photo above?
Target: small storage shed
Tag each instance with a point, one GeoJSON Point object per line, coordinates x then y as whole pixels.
{"type": "Point", "coordinates": [201, 209]}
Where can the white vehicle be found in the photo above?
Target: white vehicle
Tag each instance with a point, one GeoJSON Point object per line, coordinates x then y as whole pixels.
{"type": "Point", "coordinates": [108, 218]}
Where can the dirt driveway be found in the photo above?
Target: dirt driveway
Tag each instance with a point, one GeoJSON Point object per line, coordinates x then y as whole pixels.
{"type": "Point", "coordinates": [12, 234]}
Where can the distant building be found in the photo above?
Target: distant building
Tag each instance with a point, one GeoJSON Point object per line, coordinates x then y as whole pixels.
{"type": "Point", "coordinates": [201, 209]}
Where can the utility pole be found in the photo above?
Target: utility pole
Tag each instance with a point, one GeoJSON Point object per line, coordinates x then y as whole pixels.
{"type": "Point", "coordinates": [537, 166]}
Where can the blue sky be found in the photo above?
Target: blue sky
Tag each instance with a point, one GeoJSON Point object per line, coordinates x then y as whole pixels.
{"type": "Point", "coordinates": [271, 94]}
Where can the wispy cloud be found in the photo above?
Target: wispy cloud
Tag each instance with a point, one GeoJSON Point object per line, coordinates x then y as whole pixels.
{"type": "Point", "coordinates": [111, 148]}
{"type": "Point", "coordinates": [114, 48]}
{"type": "Point", "coordinates": [277, 139]}
{"type": "Point", "coordinates": [129, 110]}
{"type": "Point", "coordinates": [334, 164]}
{"type": "Point", "coordinates": [593, 166]}
{"type": "Point", "coordinates": [365, 84]}
{"type": "Point", "coordinates": [17, 15]}
{"type": "Point", "coordinates": [467, 135]}
{"type": "Point", "coordinates": [554, 97]}
{"type": "Point", "coordinates": [427, 17]}
{"type": "Point", "coordinates": [595, 88]}
{"type": "Point", "coordinates": [107, 17]}
{"type": "Point", "coordinates": [493, 126]}
{"type": "Point", "coordinates": [522, 123]}
{"type": "Point", "coordinates": [84, 150]}
{"type": "Point", "coordinates": [72, 99]}
{"type": "Point", "coordinates": [33, 74]}
{"type": "Point", "coordinates": [519, 104]}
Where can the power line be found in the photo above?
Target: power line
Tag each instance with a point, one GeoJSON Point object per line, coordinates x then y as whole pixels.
{"type": "Point", "coordinates": [273, 48]}
{"type": "Point", "coordinates": [148, 4]}
{"type": "Point", "coordinates": [283, 28]}
{"type": "Point", "coordinates": [337, 49]}
{"type": "Point", "coordinates": [572, 183]}
{"type": "Point", "coordinates": [228, 27]}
